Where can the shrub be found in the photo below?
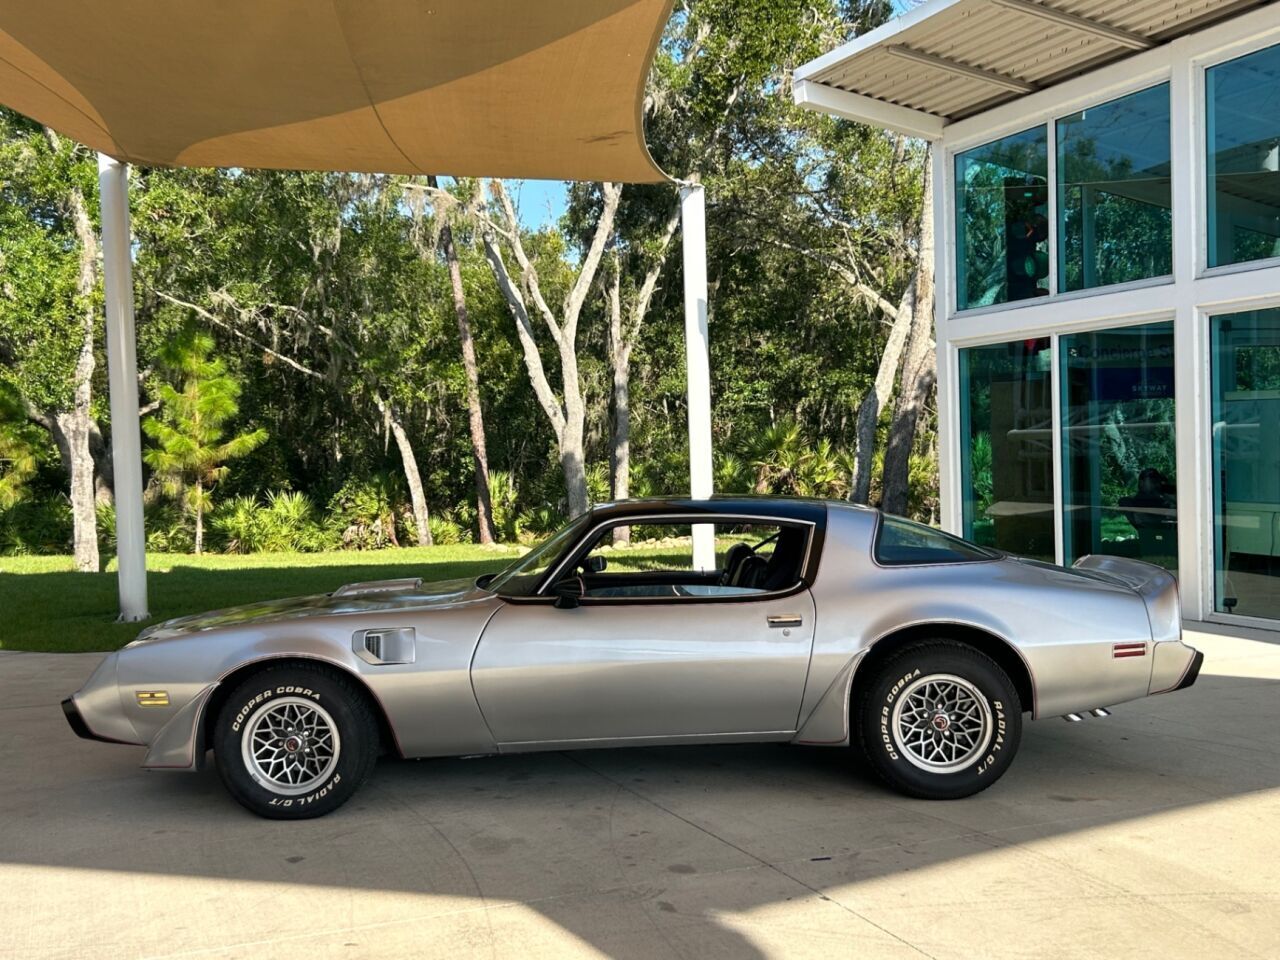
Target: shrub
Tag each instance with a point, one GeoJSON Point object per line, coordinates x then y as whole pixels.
{"type": "Point", "coordinates": [167, 526]}
{"type": "Point", "coordinates": [36, 526]}
{"type": "Point", "coordinates": [542, 520]}
{"type": "Point", "coordinates": [235, 524]}
{"type": "Point", "coordinates": [287, 523]}
{"type": "Point", "coordinates": [445, 530]}
{"type": "Point", "coordinates": [364, 513]}
{"type": "Point", "coordinates": [507, 519]}
{"type": "Point", "coordinates": [598, 482]}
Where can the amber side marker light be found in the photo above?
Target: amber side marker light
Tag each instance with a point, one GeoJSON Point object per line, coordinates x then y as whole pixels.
{"type": "Point", "coordinates": [153, 698]}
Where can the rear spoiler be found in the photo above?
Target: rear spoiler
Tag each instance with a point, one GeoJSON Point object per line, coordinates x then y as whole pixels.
{"type": "Point", "coordinates": [1156, 585]}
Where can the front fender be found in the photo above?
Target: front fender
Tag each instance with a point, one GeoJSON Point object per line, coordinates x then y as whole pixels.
{"type": "Point", "coordinates": [180, 743]}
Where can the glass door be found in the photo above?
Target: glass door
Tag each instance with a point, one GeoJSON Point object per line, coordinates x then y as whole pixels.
{"type": "Point", "coordinates": [1119, 455]}
{"type": "Point", "coordinates": [1245, 358]}
{"type": "Point", "coordinates": [1006, 412]}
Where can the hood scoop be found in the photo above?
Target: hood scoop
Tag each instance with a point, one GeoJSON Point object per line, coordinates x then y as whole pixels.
{"type": "Point", "coordinates": [378, 586]}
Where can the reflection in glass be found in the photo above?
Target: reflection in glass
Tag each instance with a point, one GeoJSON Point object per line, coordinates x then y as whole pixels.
{"type": "Point", "coordinates": [1245, 357]}
{"type": "Point", "coordinates": [1002, 211]}
{"type": "Point", "coordinates": [1115, 220]}
{"type": "Point", "coordinates": [1119, 456]}
{"type": "Point", "coordinates": [1244, 158]}
{"type": "Point", "coordinates": [1007, 447]}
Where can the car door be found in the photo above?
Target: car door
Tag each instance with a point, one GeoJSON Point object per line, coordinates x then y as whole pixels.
{"type": "Point", "coordinates": [701, 666]}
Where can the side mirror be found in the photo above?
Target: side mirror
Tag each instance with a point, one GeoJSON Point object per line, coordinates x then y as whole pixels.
{"type": "Point", "coordinates": [594, 564]}
{"type": "Point", "coordinates": [568, 593]}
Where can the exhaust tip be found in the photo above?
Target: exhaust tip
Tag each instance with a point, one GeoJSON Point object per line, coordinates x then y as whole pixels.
{"type": "Point", "coordinates": [1100, 712]}
{"type": "Point", "coordinates": [1072, 717]}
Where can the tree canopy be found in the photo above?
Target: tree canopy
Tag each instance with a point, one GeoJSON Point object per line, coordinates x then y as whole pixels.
{"type": "Point", "coordinates": [344, 322]}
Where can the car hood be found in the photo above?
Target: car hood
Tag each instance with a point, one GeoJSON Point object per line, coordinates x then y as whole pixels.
{"type": "Point", "coordinates": [352, 598]}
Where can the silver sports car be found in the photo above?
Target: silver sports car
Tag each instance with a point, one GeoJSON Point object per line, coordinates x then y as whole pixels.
{"type": "Point", "coordinates": [654, 622]}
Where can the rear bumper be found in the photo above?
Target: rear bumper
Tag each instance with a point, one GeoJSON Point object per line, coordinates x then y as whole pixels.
{"type": "Point", "coordinates": [1174, 666]}
{"type": "Point", "coordinates": [1193, 671]}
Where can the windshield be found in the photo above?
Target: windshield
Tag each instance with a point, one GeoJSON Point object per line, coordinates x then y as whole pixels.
{"type": "Point", "coordinates": [522, 577]}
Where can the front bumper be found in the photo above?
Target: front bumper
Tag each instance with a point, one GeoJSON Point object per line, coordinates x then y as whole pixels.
{"type": "Point", "coordinates": [78, 725]}
{"type": "Point", "coordinates": [95, 711]}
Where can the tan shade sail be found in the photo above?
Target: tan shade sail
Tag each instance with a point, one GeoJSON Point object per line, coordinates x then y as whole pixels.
{"type": "Point", "coordinates": [505, 88]}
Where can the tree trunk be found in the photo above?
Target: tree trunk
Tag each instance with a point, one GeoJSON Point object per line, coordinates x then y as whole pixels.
{"type": "Point", "coordinates": [77, 425]}
{"type": "Point", "coordinates": [73, 427]}
{"type": "Point", "coordinates": [475, 414]}
{"type": "Point", "coordinates": [413, 478]}
{"type": "Point", "coordinates": [199, 518]}
{"type": "Point", "coordinates": [104, 481]}
{"type": "Point", "coordinates": [879, 395]}
{"type": "Point", "coordinates": [620, 358]}
{"type": "Point", "coordinates": [919, 369]}
{"type": "Point", "coordinates": [567, 418]}
{"type": "Point", "coordinates": [573, 458]}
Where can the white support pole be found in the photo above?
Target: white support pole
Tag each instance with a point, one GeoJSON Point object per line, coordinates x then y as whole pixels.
{"type": "Point", "coordinates": [693, 217]}
{"type": "Point", "coordinates": [122, 378]}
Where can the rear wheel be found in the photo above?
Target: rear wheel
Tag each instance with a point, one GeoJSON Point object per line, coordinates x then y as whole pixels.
{"type": "Point", "coordinates": [295, 742]}
{"type": "Point", "coordinates": [939, 720]}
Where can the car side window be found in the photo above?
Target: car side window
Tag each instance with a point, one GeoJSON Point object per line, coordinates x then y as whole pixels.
{"type": "Point", "coordinates": [902, 542]}
{"type": "Point", "coordinates": [652, 560]}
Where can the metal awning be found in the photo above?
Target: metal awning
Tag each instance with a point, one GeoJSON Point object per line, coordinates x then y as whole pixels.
{"type": "Point", "coordinates": [539, 88]}
{"type": "Point", "coordinates": [950, 59]}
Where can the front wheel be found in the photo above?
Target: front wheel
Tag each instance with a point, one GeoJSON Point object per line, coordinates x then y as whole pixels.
{"type": "Point", "coordinates": [939, 720]}
{"type": "Point", "coordinates": [295, 742]}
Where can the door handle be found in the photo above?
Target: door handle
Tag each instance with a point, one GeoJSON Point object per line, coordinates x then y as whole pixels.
{"type": "Point", "coordinates": [786, 620]}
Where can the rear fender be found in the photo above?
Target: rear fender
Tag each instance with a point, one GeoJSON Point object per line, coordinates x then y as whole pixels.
{"type": "Point", "coordinates": [1157, 587]}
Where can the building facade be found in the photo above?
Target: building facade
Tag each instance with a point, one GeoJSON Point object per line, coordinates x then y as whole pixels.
{"type": "Point", "coordinates": [1108, 271]}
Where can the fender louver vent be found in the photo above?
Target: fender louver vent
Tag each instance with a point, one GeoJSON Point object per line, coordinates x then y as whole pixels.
{"type": "Point", "coordinates": [385, 645]}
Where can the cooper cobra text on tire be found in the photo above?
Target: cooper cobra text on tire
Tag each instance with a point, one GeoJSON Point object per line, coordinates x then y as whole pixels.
{"type": "Point", "coordinates": [938, 720]}
{"type": "Point", "coordinates": [295, 741]}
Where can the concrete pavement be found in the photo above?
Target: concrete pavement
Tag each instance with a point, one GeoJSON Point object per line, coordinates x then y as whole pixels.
{"type": "Point", "coordinates": [1153, 833]}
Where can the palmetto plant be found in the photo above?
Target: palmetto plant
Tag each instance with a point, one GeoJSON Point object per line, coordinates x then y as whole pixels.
{"type": "Point", "coordinates": [786, 463]}
{"type": "Point", "coordinates": [190, 456]}
{"type": "Point", "coordinates": [779, 457]}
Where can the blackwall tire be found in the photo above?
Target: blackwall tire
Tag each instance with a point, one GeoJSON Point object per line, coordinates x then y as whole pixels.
{"type": "Point", "coordinates": [939, 720]}
{"type": "Point", "coordinates": [295, 742]}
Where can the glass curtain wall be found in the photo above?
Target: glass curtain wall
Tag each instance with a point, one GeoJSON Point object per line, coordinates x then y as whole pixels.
{"type": "Point", "coordinates": [1245, 360]}
{"type": "Point", "coordinates": [1002, 217]}
{"type": "Point", "coordinates": [1006, 404]}
{"type": "Point", "coordinates": [1119, 455]}
{"type": "Point", "coordinates": [1115, 216]}
{"type": "Point", "coordinates": [1243, 121]}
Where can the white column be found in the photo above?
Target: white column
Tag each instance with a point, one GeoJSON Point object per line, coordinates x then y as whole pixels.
{"type": "Point", "coordinates": [1193, 425]}
{"type": "Point", "coordinates": [944, 253]}
{"type": "Point", "coordinates": [693, 217]}
{"type": "Point", "coordinates": [122, 377]}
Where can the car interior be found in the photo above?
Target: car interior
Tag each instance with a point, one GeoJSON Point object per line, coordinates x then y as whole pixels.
{"type": "Point", "coordinates": [751, 558]}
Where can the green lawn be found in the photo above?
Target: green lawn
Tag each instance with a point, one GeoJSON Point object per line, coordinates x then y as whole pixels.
{"type": "Point", "coordinates": [46, 605]}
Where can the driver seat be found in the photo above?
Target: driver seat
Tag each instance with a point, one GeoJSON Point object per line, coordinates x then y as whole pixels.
{"type": "Point", "coordinates": [733, 560]}
{"type": "Point", "coordinates": [782, 569]}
